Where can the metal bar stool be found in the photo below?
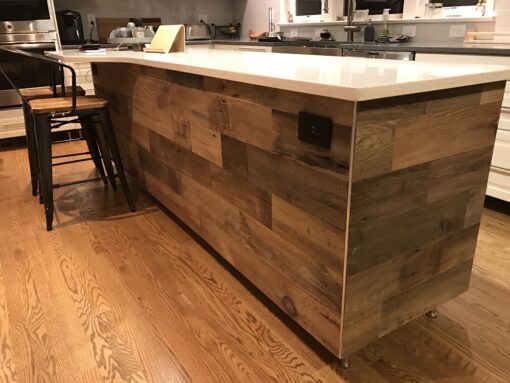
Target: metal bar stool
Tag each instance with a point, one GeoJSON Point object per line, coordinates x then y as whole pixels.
{"type": "Point", "coordinates": [93, 114]}
{"type": "Point", "coordinates": [29, 94]}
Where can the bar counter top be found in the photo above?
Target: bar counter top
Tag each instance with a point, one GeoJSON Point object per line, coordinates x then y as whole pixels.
{"type": "Point", "coordinates": [347, 78]}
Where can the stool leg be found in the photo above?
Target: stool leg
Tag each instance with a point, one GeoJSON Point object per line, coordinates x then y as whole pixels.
{"type": "Point", "coordinates": [43, 134]}
{"type": "Point", "coordinates": [107, 159]}
{"type": "Point", "coordinates": [91, 139]}
{"type": "Point", "coordinates": [31, 146]}
{"type": "Point", "coordinates": [106, 123]}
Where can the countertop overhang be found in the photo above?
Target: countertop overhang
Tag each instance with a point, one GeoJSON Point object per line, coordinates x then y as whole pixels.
{"type": "Point", "coordinates": [347, 78]}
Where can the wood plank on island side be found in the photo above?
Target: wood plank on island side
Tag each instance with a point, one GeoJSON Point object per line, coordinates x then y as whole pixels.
{"type": "Point", "coordinates": [352, 241]}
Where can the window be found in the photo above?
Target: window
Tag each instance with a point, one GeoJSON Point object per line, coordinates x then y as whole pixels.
{"type": "Point", "coordinates": [458, 3]}
{"type": "Point", "coordinates": [308, 7]}
{"type": "Point", "coordinates": [376, 7]}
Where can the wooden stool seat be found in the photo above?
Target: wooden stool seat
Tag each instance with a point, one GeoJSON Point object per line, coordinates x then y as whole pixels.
{"type": "Point", "coordinates": [47, 92]}
{"type": "Point", "coordinates": [63, 104]}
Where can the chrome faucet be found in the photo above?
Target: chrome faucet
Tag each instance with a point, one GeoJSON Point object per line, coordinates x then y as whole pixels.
{"type": "Point", "coordinates": [350, 28]}
{"type": "Point", "coordinates": [271, 22]}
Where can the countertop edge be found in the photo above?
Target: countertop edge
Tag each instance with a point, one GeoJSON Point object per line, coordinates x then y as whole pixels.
{"type": "Point", "coordinates": [319, 89]}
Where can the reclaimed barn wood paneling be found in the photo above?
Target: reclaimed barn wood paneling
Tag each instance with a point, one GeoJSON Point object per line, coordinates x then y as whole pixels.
{"type": "Point", "coordinates": [226, 159]}
{"type": "Point", "coordinates": [419, 175]}
{"type": "Point", "coordinates": [352, 241]}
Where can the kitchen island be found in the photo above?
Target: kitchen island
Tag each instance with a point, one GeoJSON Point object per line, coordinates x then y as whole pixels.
{"type": "Point", "coordinates": [348, 190]}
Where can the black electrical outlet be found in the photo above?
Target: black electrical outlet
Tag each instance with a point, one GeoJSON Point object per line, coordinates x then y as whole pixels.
{"type": "Point", "coordinates": [315, 130]}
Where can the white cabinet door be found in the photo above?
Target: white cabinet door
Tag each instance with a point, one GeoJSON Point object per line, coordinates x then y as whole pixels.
{"type": "Point", "coordinates": [501, 158]}
{"type": "Point", "coordinates": [467, 59]}
{"type": "Point", "coordinates": [12, 123]}
{"type": "Point", "coordinates": [504, 120]}
{"type": "Point", "coordinates": [499, 184]}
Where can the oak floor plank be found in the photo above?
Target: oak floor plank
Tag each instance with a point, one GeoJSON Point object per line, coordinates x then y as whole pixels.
{"type": "Point", "coordinates": [112, 296]}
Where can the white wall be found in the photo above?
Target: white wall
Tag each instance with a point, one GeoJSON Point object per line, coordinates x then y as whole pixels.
{"type": "Point", "coordinates": [502, 10]}
{"type": "Point", "coordinates": [170, 11]}
{"type": "Point", "coordinates": [254, 14]}
{"type": "Point", "coordinates": [425, 32]}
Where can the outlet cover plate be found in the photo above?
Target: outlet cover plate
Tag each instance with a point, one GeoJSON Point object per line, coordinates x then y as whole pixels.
{"type": "Point", "coordinates": [315, 130]}
{"type": "Point", "coordinates": [409, 30]}
{"type": "Point", "coordinates": [203, 17]}
{"type": "Point", "coordinates": [458, 30]}
{"type": "Point", "coordinates": [90, 19]}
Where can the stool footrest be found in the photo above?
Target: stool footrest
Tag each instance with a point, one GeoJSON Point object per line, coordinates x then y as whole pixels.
{"type": "Point", "coordinates": [72, 162]}
{"type": "Point", "coordinates": [72, 155]}
{"type": "Point", "coordinates": [63, 184]}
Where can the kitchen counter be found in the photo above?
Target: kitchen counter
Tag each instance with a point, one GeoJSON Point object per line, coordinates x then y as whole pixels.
{"type": "Point", "coordinates": [348, 190]}
{"type": "Point", "coordinates": [417, 47]}
{"type": "Point", "coordinates": [347, 78]}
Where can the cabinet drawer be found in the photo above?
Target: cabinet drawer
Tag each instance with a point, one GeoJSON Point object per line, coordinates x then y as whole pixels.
{"type": "Point", "coordinates": [506, 99]}
{"type": "Point", "coordinates": [504, 120]}
{"type": "Point", "coordinates": [499, 184]}
{"type": "Point", "coordinates": [501, 158]}
{"type": "Point", "coordinates": [12, 123]}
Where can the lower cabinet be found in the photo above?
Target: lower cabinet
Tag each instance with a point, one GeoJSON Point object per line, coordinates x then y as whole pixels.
{"type": "Point", "coordinates": [499, 178]}
{"type": "Point", "coordinates": [11, 123]}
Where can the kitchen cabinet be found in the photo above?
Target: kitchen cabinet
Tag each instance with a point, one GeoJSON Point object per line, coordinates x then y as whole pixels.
{"type": "Point", "coordinates": [11, 123]}
{"type": "Point", "coordinates": [499, 178]}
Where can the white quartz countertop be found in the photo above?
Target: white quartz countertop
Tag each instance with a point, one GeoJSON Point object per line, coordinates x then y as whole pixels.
{"type": "Point", "coordinates": [348, 78]}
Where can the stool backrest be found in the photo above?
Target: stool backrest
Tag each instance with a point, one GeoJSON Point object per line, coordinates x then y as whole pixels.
{"type": "Point", "coordinates": [57, 69]}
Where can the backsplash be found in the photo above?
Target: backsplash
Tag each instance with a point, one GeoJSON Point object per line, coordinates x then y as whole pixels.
{"type": "Point", "coordinates": [425, 32]}
{"type": "Point", "coordinates": [170, 11]}
{"type": "Point", "coordinates": [254, 15]}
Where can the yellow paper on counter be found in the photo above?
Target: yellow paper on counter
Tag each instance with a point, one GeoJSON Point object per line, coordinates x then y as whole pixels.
{"type": "Point", "coordinates": [168, 38]}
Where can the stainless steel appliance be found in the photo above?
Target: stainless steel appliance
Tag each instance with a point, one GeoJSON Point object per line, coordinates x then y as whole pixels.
{"type": "Point", "coordinates": [388, 55]}
{"type": "Point", "coordinates": [26, 17]}
{"type": "Point", "coordinates": [339, 51]}
{"type": "Point", "coordinates": [305, 50]}
{"type": "Point", "coordinates": [28, 25]}
{"type": "Point", "coordinates": [200, 31]}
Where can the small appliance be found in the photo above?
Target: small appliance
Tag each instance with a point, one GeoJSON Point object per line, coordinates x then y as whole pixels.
{"type": "Point", "coordinates": [70, 27]}
{"type": "Point", "coordinates": [200, 31]}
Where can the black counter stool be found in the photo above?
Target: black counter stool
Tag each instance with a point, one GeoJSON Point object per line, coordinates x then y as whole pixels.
{"type": "Point", "coordinates": [29, 94]}
{"type": "Point", "coordinates": [92, 113]}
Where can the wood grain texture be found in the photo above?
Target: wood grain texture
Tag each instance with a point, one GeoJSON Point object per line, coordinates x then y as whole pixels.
{"type": "Point", "coordinates": [225, 158]}
{"type": "Point", "coordinates": [419, 179]}
{"type": "Point", "coordinates": [220, 161]}
{"type": "Point", "coordinates": [62, 104]}
{"type": "Point", "coordinates": [186, 318]}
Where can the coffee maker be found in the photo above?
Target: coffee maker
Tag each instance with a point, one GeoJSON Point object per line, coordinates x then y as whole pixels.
{"type": "Point", "coordinates": [70, 27]}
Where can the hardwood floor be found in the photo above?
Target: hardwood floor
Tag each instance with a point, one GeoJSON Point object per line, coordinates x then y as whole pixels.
{"type": "Point", "coordinates": [112, 296]}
